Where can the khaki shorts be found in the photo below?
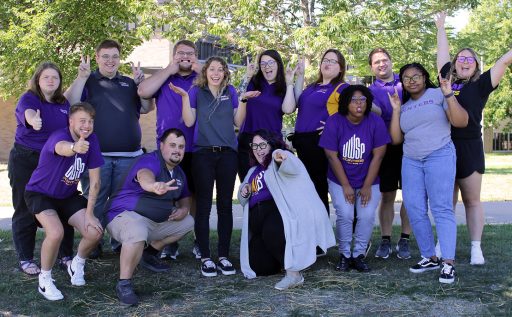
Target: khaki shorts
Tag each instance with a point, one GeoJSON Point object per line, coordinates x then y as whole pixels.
{"type": "Point", "coordinates": [130, 227]}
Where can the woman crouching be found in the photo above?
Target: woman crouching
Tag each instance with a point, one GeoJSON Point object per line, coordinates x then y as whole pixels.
{"type": "Point", "coordinates": [284, 219]}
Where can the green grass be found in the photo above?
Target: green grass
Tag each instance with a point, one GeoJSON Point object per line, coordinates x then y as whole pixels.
{"type": "Point", "coordinates": [388, 290]}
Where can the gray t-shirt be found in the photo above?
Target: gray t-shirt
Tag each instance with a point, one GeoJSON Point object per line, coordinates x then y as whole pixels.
{"type": "Point", "coordinates": [425, 124]}
{"type": "Point", "coordinates": [214, 117]}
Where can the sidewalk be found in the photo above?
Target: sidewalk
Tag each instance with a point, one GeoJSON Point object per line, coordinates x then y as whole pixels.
{"type": "Point", "coordinates": [495, 213]}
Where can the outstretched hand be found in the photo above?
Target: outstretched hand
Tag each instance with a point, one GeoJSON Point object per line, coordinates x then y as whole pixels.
{"type": "Point", "coordinates": [180, 91]}
{"type": "Point", "coordinates": [37, 122]}
{"type": "Point", "coordinates": [82, 145]}
{"type": "Point", "coordinates": [280, 156]}
{"type": "Point", "coordinates": [439, 19]}
{"type": "Point", "coordinates": [161, 188]}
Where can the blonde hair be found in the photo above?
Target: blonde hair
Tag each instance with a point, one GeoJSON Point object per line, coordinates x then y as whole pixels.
{"type": "Point", "coordinates": [477, 72]}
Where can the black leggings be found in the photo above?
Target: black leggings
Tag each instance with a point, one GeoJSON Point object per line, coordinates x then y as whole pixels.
{"type": "Point", "coordinates": [267, 242]}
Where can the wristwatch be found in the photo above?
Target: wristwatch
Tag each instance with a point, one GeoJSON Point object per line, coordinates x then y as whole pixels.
{"type": "Point", "coordinates": [244, 100]}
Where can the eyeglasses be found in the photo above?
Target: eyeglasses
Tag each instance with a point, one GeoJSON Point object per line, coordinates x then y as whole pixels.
{"type": "Point", "coordinates": [255, 146]}
{"type": "Point", "coordinates": [462, 59]}
{"type": "Point", "coordinates": [267, 64]}
{"type": "Point", "coordinates": [106, 57]}
{"type": "Point", "coordinates": [358, 99]}
{"type": "Point", "coordinates": [414, 78]}
{"type": "Point", "coordinates": [329, 61]}
{"type": "Point", "coordinates": [189, 54]}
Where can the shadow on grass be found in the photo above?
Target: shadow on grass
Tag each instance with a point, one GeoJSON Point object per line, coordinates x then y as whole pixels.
{"type": "Point", "coordinates": [388, 290]}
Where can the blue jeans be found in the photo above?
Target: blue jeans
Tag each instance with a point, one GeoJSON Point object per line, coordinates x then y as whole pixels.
{"type": "Point", "coordinates": [426, 182]}
{"type": "Point", "coordinates": [112, 173]}
{"type": "Point", "coordinates": [345, 219]}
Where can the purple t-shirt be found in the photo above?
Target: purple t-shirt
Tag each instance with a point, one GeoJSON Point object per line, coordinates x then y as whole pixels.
{"type": "Point", "coordinates": [354, 144]}
{"type": "Point", "coordinates": [58, 176]}
{"type": "Point", "coordinates": [169, 108]}
{"type": "Point", "coordinates": [312, 106]}
{"type": "Point", "coordinates": [53, 115]}
{"type": "Point", "coordinates": [259, 188]}
{"type": "Point", "coordinates": [131, 197]}
{"type": "Point", "coordinates": [380, 90]}
{"type": "Point", "coordinates": [264, 111]}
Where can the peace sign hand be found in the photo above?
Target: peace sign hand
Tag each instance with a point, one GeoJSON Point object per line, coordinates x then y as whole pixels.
{"type": "Point", "coordinates": [290, 74]}
{"type": "Point", "coordinates": [251, 69]}
{"type": "Point", "coordinates": [138, 74]}
{"type": "Point", "coordinates": [161, 188]}
{"type": "Point", "coordinates": [301, 65]}
{"type": "Point", "coordinates": [84, 69]}
{"type": "Point", "coordinates": [439, 19]}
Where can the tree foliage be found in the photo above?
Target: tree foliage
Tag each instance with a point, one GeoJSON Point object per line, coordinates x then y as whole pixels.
{"type": "Point", "coordinates": [489, 33]}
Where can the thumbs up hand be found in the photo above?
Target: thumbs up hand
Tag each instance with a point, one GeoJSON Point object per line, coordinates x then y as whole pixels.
{"type": "Point", "coordinates": [82, 145]}
{"type": "Point", "coordinates": [37, 122]}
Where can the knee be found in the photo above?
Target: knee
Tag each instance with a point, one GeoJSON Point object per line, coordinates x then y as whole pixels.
{"type": "Point", "coordinates": [54, 234]}
{"type": "Point", "coordinates": [93, 235]}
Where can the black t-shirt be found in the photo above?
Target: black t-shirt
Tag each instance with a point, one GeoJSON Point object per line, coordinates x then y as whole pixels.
{"type": "Point", "coordinates": [473, 97]}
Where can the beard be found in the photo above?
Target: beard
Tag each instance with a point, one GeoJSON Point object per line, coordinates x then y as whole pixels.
{"type": "Point", "coordinates": [185, 68]}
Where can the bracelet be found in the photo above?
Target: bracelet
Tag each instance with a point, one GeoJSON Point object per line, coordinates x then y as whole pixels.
{"type": "Point", "coordinates": [449, 95]}
{"type": "Point", "coordinates": [73, 147]}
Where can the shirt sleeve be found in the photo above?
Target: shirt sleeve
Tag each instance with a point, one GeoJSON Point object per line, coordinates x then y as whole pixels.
{"type": "Point", "coordinates": [329, 139]}
{"type": "Point", "coordinates": [192, 96]}
{"type": "Point", "coordinates": [485, 84]}
{"type": "Point", "coordinates": [95, 158]}
{"type": "Point", "coordinates": [234, 96]}
{"type": "Point", "coordinates": [380, 134]}
{"type": "Point", "coordinates": [27, 101]}
{"type": "Point", "coordinates": [54, 138]}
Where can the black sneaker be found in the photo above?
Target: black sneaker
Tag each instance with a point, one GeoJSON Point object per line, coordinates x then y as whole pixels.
{"type": "Point", "coordinates": [426, 264]}
{"type": "Point", "coordinates": [125, 293]}
{"type": "Point", "coordinates": [447, 275]}
{"type": "Point", "coordinates": [208, 268]}
{"type": "Point", "coordinates": [225, 267]}
{"type": "Point", "coordinates": [359, 264]}
{"type": "Point", "coordinates": [344, 264]}
{"type": "Point", "coordinates": [152, 263]}
{"type": "Point", "coordinates": [319, 252]}
{"type": "Point", "coordinates": [170, 251]}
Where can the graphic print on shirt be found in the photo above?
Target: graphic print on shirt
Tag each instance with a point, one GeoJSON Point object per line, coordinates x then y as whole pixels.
{"type": "Point", "coordinates": [72, 175]}
{"type": "Point", "coordinates": [257, 184]}
{"type": "Point", "coordinates": [456, 88]}
{"type": "Point", "coordinates": [353, 151]}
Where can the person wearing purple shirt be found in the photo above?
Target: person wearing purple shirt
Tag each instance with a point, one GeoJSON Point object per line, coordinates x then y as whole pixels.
{"type": "Point", "coordinates": [52, 196]}
{"type": "Point", "coordinates": [390, 172]}
{"type": "Point", "coordinates": [265, 111]}
{"type": "Point", "coordinates": [151, 207]}
{"type": "Point", "coordinates": [181, 72]}
{"type": "Point", "coordinates": [213, 106]}
{"type": "Point", "coordinates": [40, 111]}
{"type": "Point", "coordinates": [355, 141]}
{"type": "Point", "coordinates": [315, 104]}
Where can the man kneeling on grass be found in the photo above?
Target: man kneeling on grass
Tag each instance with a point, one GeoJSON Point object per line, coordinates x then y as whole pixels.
{"type": "Point", "coordinates": [52, 196]}
{"type": "Point", "coordinates": [150, 208]}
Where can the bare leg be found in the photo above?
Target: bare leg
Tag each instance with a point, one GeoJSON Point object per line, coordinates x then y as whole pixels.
{"type": "Point", "coordinates": [387, 212]}
{"type": "Point", "coordinates": [54, 233]}
{"type": "Point", "coordinates": [130, 258]}
{"type": "Point", "coordinates": [90, 236]}
{"type": "Point", "coordinates": [470, 188]}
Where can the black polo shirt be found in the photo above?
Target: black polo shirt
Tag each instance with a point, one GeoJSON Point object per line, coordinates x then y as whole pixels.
{"type": "Point", "coordinates": [117, 106]}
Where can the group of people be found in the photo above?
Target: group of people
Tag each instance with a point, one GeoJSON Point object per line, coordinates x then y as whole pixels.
{"type": "Point", "coordinates": [359, 144]}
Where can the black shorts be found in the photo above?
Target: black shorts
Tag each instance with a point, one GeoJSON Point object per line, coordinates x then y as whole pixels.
{"type": "Point", "coordinates": [470, 157]}
{"type": "Point", "coordinates": [186, 166]}
{"type": "Point", "coordinates": [65, 208]}
{"type": "Point", "coordinates": [390, 172]}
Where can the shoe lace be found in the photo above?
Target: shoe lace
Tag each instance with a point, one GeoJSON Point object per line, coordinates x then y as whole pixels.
{"type": "Point", "coordinates": [424, 261]}
{"type": "Point", "coordinates": [447, 269]}
{"type": "Point", "coordinates": [225, 262]}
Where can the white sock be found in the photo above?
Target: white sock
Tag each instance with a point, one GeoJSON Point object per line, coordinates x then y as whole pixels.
{"type": "Point", "coordinates": [475, 244]}
{"type": "Point", "coordinates": [78, 260]}
{"type": "Point", "coordinates": [46, 274]}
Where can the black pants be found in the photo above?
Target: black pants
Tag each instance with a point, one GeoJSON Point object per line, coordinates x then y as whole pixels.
{"type": "Point", "coordinates": [267, 244]}
{"type": "Point", "coordinates": [315, 161]}
{"type": "Point", "coordinates": [22, 163]}
{"type": "Point", "coordinates": [244, 151]}
{"type": "Point", "coordinates": [209, 167]}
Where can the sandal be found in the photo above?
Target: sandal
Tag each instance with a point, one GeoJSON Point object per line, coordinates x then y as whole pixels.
{"type": "Point", "coordinates": [64, 262]}
{"type": "Point", "coordinates": [30, 268]}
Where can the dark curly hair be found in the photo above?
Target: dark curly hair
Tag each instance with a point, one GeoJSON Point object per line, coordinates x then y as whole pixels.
{"type": "Point", "coordinates": [346, 98]}
{"type": "Point", "coordinates": [274, 141]}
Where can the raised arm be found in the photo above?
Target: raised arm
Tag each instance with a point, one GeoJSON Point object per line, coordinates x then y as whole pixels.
{"type": "Point", "coordinates": [289, 103]}
{"type": "Point", "coordinates": [499, 69]}
{"type": "Point", "coordinates": [150, 86]}
{"type": "Point", "coordinates": [147, 181]}
{"type": "Point", "coordinates": [443, 48]}
{"type": "Point", "coordinates": [456, 114]}
{"type": "Point", "coordinates": [299, 83]}
{"type": "Point", "coordinates": [394, 128]}
{"type": "Point", "coordinates": [74, 93]}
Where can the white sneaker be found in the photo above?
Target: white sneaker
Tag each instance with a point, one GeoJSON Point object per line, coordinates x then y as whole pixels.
{"type": "Point", "coordinates": [48, 289]}
{"type": "Point", "coordinates": [76, 272]}
{"type": "Point", "coordinates": [477, 257]}
{"type": "Point", "coordinates": [289, 282]}
{"type": "Point", "coordinates": [438, 250]}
